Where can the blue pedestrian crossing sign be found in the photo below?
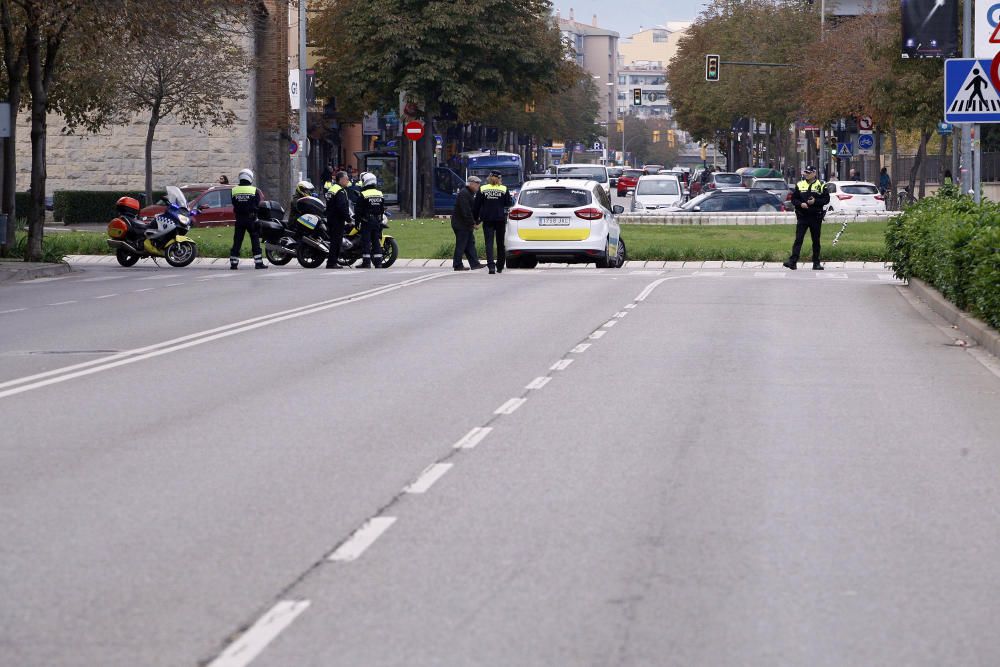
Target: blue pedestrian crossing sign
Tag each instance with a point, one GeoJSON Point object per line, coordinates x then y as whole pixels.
{"type": "Point", "coordinates": [969, 94]}
{"type": "Point", "coordinates": [845, 150]}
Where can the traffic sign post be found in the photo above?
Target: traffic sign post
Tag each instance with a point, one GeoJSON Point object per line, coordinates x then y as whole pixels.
{"type": "Point", "coordinates": [414, 131]}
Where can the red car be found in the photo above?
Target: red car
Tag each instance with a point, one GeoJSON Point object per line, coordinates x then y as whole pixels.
{"type": "Point", "coordinates": [628, 180]}
{"type": "Point", "coordinates": [214, 204]}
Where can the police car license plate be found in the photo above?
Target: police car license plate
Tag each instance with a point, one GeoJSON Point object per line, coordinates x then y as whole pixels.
{"type": "Point", "coordinates": [553, 221]}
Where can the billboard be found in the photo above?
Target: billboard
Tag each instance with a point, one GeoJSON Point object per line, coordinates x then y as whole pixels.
{"type": "Point", "coordinates": [930, 28]}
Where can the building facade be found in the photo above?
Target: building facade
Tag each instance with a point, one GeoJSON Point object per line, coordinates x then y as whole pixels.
{"type": "Point", "coordinates": [114, 159]}
{"type": "Point", "coordinates": [596, 51]}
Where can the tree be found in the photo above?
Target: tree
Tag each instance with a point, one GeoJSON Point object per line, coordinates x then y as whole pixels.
{"type": "Point", "coordinates": [439, 55]}
{"type": "Point", "coordinates": [15, 63]}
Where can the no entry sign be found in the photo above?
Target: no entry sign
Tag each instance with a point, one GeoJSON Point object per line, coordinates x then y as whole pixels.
{"type": "Point", "coordinates": [414, 130]}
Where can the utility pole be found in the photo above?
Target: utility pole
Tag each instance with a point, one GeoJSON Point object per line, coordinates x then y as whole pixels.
{"type": "Point", "coordinates": [966, 166]}
{"type": "Point", "coordinates": [303, 97]}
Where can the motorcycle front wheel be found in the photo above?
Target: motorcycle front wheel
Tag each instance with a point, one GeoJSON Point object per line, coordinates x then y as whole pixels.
{"type": "Point", "coordinates": [309, 257]}
{"type": "Point", "coordinates": [126, 257]}
{"type": "Point", "coordinates": [278, 258]}
{"type": "Point", "coordinates": [180, 254]}
{"type": "Point", "coordinates": [390, 252]}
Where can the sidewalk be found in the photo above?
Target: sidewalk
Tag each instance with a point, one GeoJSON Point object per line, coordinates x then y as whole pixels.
{"type": "Point", "coordinates": [16, 270]}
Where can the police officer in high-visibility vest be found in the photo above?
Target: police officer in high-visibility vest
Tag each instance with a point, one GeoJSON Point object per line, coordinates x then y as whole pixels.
{"type": "Point", "coordinates": [338, 214]}
{"type": "Point", "coordinates": [492, 202]}
{"type": "Point", "coordinates": [809, 199]}
{"type": "Point", "coordinates": [246, 199]}
{"type": "Point", "coordinates": [368, 211]}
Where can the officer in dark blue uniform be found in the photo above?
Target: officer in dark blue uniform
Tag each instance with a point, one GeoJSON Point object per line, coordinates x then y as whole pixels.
{"type": "Point", "coordinates": [338, 214]}
{"type": "Point", "coordinates": [810, 199]}
{"type": "Point", "coordinates": [368, 211]}
{"type": "Point", "coordinates": [492, 202]}
{"type": "Point", "coordinates": [246, 199]}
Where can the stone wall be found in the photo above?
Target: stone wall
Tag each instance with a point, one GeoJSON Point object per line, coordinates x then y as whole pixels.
{"type": "Point", "coordinates": [270, 101]}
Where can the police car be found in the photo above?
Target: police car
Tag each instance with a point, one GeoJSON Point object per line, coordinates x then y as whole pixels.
{"type": "Point", "coordinates": [566, 220]}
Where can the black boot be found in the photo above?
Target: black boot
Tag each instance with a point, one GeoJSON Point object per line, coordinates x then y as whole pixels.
{"type": "Point", "coordinates": [366, 263]}
{"type": "Point", "coordinates": [377, 261]}
{"type": "Point", "coordinates": [234, 263]}
{"type": "Point", "coordinates": [817, 266]}
{"type": "Point", "coordinates": [789, 264]}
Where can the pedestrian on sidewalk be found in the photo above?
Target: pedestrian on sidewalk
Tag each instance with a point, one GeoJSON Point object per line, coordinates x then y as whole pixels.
{"type": "Point", "coordinates": [464, 224]}
{"type": "Point", "coordinates": [884, 182]}
{"type": "Point", "coordinates": [223, 180]}
{"type": "Point", "coordinates": [809, 198]}
{"type": "Point", "coordinates": [492, 202]}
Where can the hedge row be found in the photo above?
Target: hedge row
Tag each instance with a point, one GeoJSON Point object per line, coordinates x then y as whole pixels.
{"type": "Point", "coordinates": [82, 206]}
{"type": "Point", "coordinates": [952, 243]}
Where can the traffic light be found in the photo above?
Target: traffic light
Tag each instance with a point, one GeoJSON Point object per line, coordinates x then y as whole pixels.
{"type": "Point", "coordinates": [637, 96]}
{"type": "Point", "coordinates": [833, 145]}
{"type": "Point", "coordinates": [712, 63]}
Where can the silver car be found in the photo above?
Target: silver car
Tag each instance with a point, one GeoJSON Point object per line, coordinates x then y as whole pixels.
{"type": "Point", "coordinates": [777, 187]}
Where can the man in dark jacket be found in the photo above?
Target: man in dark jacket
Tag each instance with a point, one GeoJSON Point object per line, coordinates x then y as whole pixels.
{"type": "Point", "coordinates": [810, 199]}
{"type": "Point", "coordinates": [463, 223]}
{"type": "Point", "coordinates": [492, 202]}
{"type": "Point", "coordinates": [338, 215]}
{"type": "Point", "coordinates": [246, 198]}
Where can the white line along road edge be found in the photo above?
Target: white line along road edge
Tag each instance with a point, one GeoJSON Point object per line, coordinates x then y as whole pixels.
{"type": "Point", "coordinates": [58, 375]}
{"type": "Point", "coordinates": [362, 538]}
{"type": "Point", "coordinates": [250, 644]}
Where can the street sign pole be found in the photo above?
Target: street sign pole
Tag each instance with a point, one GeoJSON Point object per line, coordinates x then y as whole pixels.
{"type": "Point", "coordinates": [414, 131]}
{"type": "Point", "coordinates": [413, 153]}
{"type": "Point", "coordinates": [967, 39]}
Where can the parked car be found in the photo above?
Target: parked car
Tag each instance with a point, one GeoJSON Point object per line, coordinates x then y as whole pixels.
{"type": "Point", "coordinates": [613, 174]}
{"type": "Point", "coordinates": [711, 180]}
{"type": "Point", "coordinates": [598, 172]}
{"type": "Point", "coordinates": [733, 200]}
{"type": "Point", "coordinates": [627, 181]}
{"type": "Point", "coordinates": [854, 197]}
{"type": "Point", "coordinates": [656, 192]}
{"type": "Point", "coordinates": [214, 204]}
{"type": "Point", "coordinates": [564, 220]}
{"type": "Point", "coordinates": [777, 187]}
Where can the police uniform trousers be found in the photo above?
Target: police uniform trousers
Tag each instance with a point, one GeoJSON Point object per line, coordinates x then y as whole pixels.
{"type": "Point", "coordinates": [497, 230]}
{"type": "Point", "coordinates": [371, 241]}
{"type": "Point", "coordinates": [242, 228]}
{"type": "Point", "coordinates": [812, 224]}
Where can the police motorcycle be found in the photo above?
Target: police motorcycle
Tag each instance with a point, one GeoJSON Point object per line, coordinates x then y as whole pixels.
{"type": "Point", "coordinates": [308, 222]}
{"type": "Point", "coordinates": [134, 238]}
{"type": "Point", "coordinates": [280, 239]}
{"type": "Point", "coordinates": [350, 245]}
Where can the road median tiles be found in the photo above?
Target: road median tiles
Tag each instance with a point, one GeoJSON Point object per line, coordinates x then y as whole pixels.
{"type": "Point", "coordinates": [983, 334]}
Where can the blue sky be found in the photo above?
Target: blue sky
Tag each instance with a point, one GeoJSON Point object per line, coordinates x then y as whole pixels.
{"type": "Point", "coordinates": [626, 17]}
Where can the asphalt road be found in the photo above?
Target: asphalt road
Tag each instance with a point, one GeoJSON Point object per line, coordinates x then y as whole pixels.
{"type": "Point", "coordinates": [549, 467]}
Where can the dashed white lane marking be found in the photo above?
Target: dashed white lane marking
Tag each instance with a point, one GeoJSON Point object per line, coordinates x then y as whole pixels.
{"type": "Point", "coordinates": [610, 323]}
{"type": "Point", "coordinates": [100, 278]}
{"type": "Point", "coordinates": [473, 437]}
{"type": "Point", "coordinates": [538, 382]}
{"type": "Point", "coordinates": [428, 477]}
{"type": "Point", "coordinates": [250, 644]}
{"type": "Point", "coordinates": [38, 281]}
{"type": "Point", "coordinates": [173, 284]}
{"type": "Point", "coordinates": [620, 314]}
{"type": "Point", "coordinates": [630, 306]}
{"type": "Point", "coordinates": [362, 538]}
{"type": "Point", "coordinates": [105, 296]}
{"type": "Point", "coordinates": [12, 310]}
{"type": "Point", "coordinates": [561, 365]}
{"type": "Point", "coordinates": [145, 289]}
{"type": "Point", "coordinates": [510, 406]}
{"type": "Point", "coordinates": [61, 303]}
{"type": "Point", "coordinates": [597, 334]}
{"type": "Point", "coordinates": [582, 347]}
{"type": "Point", "coordinates": [709, 274]}
{"type": "Point", "coordinates": [768, 274]}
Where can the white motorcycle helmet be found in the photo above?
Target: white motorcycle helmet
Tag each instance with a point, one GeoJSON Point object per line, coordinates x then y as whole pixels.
{"type": "Point", "coordinates": [246, 175]}
{"type": "Point", "coordinates": [304, 189]}
{"type": "Point", "coordinates": [368, 179]}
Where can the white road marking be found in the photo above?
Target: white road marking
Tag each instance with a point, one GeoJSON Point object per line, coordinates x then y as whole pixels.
{"type": "Point", "coordinates": [510, 406]}
{"type": "Point", "coordinates": [105, 296]}
{"type": "Point", "coordinates": [36, 381]}
{"type": "Point", "coordinates": [561, 365]}
{"type": "Point", "coordinates": [250, 644]}
{"type": "Point", "coordinates": [168, 277]}
{"type": "Point", "coordinates": [653, 285]}
{"type": "Point", "coordinates": [620, 314]}
{"type": "Point", "coordinates": [581, 348]}
{"type": "Point", "coordinates": [173, 284]}
{"type": "Point", "coordinates": [538, 382]}
{"type": "Point", "coordinates": [768, 274]}
{"type": "Point", "coordinates": [61, 303]}
{"type": "Point", "coordinates": [281, 274]}
{"type": "Point", "coordinates": [428, 477]}
{"type": "Point", "coordinates": [597, 334]}
{"type": "Point", "coordinates": [610, 323]}
{"type": "Point", "coordinates": [886, 276]}
{"type": "Point", "coordinates": [221, 275]}
{"type": "Point", "coordinates": [145, 289]}
{"type": "Point", "coordinates": [362, 538]}
{"type": "Point", "coordinates": [38, 281]}
{"type": "Point", "coordinates": [641, 272]}
{"type": "Point", "coordinates": [12, 310]}
{"type": "Point", "coordinates": [710, 274]}
{"type": "Point", "coordinates": [830, 276]}
{"type": "Point", "coordinates": [473, 437]}
{"type": "Point", "coordinates": [630, 306]}
{"type": "Point", "coordinates": [100, 278]}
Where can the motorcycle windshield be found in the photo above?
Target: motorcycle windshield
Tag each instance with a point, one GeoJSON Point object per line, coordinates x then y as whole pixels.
{"type": "Point", "coordinates": [176, 197]}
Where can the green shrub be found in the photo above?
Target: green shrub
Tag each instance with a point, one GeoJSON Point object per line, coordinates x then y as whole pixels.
{"type": "Point", "coordinates": [953, 244]}
{"type": "Point", "coordinates": [83, 206]}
